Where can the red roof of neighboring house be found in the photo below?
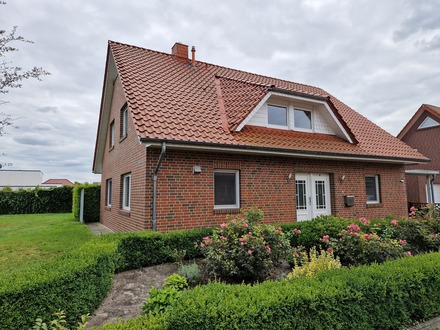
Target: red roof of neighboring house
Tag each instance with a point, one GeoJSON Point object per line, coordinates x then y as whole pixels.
{"type": "Point", "coordinates": [63, 182]}
{"type": "Point", "coordinates": [431, 109]}
{"type": "Point", "coordinates": [175, 101]}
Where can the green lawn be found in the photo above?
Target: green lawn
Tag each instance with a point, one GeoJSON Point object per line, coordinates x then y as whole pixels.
{"type": "Point", "coordinates": [30, 239]}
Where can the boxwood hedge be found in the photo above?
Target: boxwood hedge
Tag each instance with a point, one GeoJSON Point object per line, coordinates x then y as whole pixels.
{"type": "Point", "coordinates": [384, 296]}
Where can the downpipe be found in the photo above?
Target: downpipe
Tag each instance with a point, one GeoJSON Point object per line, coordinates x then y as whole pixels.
{"type": "Point", "coordinates": [156, 170]}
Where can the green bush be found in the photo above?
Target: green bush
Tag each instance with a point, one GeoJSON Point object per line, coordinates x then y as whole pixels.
{"type": "Point", "coordinates": [313, 230]}
{"type": "Point", "coordinates": [191, 272]}
{"type": "Point", "coordinates": [161, 299]}
{"type": "Point", "coordinates": [92, 201]}
{"type": "Point", "coordinates": [144, 322]}
{"type": "Point", "coordinates": [244, 250]}
{"type": "Point", "coordinates": [75, 283]}
{"type": "Point", "coordinates": [143, 249]}
{"type": "Point", "coordinates": [314, 262]}
{"type": "Point", "coordinates": [38, 200]}
{"type": "Point", "coordinates": [385, 296]}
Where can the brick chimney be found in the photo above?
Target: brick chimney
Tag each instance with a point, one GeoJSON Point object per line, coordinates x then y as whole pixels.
{"type": "Point", "coordinates": [180, 51]}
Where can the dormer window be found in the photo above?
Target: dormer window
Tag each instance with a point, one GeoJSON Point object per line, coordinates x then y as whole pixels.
{"type": "Point", "coordinates": [302, 119]}
{"type": "Point", "coordinates": [277, 115]}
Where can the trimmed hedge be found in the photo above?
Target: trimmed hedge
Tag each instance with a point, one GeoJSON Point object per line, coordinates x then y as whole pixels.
{"type": "Point", "coordinates": [92, 201]}
{"type": "Point", "coordinates": [385, 296]}
{"type": "Point", "coordinates": [38, 200]}
{"type": "Point", "coordinates": [143, 249]}
{"type": "Point", "coordinates": [76, 283]}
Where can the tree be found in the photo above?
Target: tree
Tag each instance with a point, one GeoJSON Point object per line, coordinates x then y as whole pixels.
{"type": "Point", "coordinates": [12, 76]}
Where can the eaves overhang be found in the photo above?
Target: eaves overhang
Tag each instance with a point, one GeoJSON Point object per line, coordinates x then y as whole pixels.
{"type": "Point", "coordinates": [279, 152]}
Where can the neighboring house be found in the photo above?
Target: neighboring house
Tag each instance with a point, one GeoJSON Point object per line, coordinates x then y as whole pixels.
{"type": "Point", "coordinates": [20, 179]}
{"type": "Point", "coordinates": [422, 132]}
{"type": "Point", "coordinates": [181, 143]}
{"type": "Point", "coordinates": [52, 183]}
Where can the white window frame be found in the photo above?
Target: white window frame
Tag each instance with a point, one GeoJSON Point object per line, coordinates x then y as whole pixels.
{"type": "Point", "coordinates": [112, 134]}
{"type": "Point", "coordinates": [108, 192]}
{"type": "Point", "coordinates": [237, 190]}
{"type": "Point", "coordinates": [126, 191]}
{"type": "Point", "coordinates": [287, 115]}
{"type": "Point", "coordinates": [376, 183]}
{"type": "Point", "coordinates": [301, 129]}
{"type": "Point", "coordinates": [124, 121]}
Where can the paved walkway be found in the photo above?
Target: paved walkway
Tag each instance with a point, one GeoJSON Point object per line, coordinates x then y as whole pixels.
{"type": "Point", "coordinates": [98, 228]}
{"type": "Point", "coordinates": [432, 324]}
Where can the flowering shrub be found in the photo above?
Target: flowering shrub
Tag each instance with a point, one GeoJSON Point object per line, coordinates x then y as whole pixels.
{"type": "Point", "coordinates": [242, 249]}
{"type": "Point", "coordinates": [356, 247]}
{"type": "Point", "coordinates": [313, 263]}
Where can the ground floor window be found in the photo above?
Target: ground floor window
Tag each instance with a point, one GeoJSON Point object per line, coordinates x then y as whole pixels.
{"type": "Point", "coordinates": [372, 189]}
{"type": "Point", "coordinates": [108, 192]}
{"type": "Point", "coordinates": [226, 189]}
{"type": "Point", "coordinates": [126, 191]}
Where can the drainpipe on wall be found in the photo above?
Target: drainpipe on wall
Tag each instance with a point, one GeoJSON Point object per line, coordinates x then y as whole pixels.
{"type": "Point", "coordinates": [431, 184]}
{"type": "Point", "coordinates": [156, 170]}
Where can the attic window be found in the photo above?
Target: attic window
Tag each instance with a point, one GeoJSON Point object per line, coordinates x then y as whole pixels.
{"type": "Point", "coordinates": [276, 115]}
{"type": "Point", "coordinates": [303, 119]}
{"type": "Point", "coordinates": [428, 122]}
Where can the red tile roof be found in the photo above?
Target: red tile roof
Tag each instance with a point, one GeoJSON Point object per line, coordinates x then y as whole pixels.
{"type": "Point", "coordinates": [175, 101]}
{"type": "Point", "coordinates": [431, 109]}
{"type": "Point", "coordinates": [64, 182]}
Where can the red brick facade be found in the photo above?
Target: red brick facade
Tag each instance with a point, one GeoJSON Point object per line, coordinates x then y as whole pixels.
{"type": "Point", "coordinates": [426, 141]}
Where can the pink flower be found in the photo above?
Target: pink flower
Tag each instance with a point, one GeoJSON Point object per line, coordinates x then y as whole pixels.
{"type": "Point", "coordinates": [367, 237]}
{"type": "Point", "coordinates": [413, 213]}
{"type": "Point", "coordinates": [344, 232]}
{"type": "Point", "coordinates": [250, 233]}
{"type": "Point", "coordinates": [330, 250]}
{"type": "Point", "coordinates": [340, 239]}
{"type": "Point", "coordinates": [280, 229]}
{"type": "Point", "coordinates": [242, 243]}
{"type": "Point", "coordinates": [394, 223]}
{"type": "Point", "coordinates": [297, 231]}
{"type": "Point", "coordinates": [223, 226]}
{"type": "Point", "coordinates": [325, 238]}
{"type": "Point", "coordinates": [202, 245]}
{"type": "Point", "coordinates": [409, 253]}
{"type": "Point", "coordinates": [276, 232]}
{"type": "Point", "coordinates": [245, 225]}
{"type": "Point", "coordinates": [223, 238]}
{"type": "Point", "coordinates": [412, 209]}
{"type": "Point", "coordinates": [268, 248]}
{"type": "Point", "coordinates": [296, 255]}
{"type": "Point", "coordinates": [364, 221]}
{"type": "Point", "coordinates": [402, 241]}
{"type": "Point", "coordinates": [249, 252]}
{"type": "Point", "coordinates": [354, 228]}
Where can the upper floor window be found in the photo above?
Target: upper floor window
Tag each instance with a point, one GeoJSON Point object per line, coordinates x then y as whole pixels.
{"type": "Point", "coordinates": [226, 189]}
{"type": "Point", "coordinates": [428, 122]}
{"type": "Point", "coordinates": [276, 115]}
{"type": "Point", "coordinates": [112, 134]}
{"type": "Point", "coordinates": [302, 119]}
{"type": "Point", "coordinates": [124, 121]}
{"type": "Point", "coordinates": [126, 191]}
{"type": "Point", "coordinates": [372, 189]}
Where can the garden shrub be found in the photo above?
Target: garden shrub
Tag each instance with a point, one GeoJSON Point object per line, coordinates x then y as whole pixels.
{"type": "Point", "coordinates": [143, 249]}
{"type": "Point", "coordinates": [92, 201]}
{"type": "Point", "coordinates": [160, 300]}
{"type": "Point", "coordinates": [76, 283]}
{"type": "Point", "coordinates": [242, 249]}
{"type": "Point", "coordinates": [38, 200]}
{"type": "Point", "coordinates": [314, 262]}
{"type": "Point", "coordinates": [191, 272]}
{"type": "Point", "coordinates": [147, 322]}
{"type": "Point", "coordinates": [385, 296]}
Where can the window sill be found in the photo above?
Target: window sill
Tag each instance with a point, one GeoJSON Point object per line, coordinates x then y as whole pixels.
{"type": "Point", "coordinates": [122, 138]}
{"type": "Point", "coordinates": [108, 207]}
{"type": "Point", "coordinates": [125, 213]}
{"type": "Point", "coordinates": [226, 211]}
{"type": "Point", "coordinates": [373, 205]}
{"type": "Point", "coordinates": [111, 148]}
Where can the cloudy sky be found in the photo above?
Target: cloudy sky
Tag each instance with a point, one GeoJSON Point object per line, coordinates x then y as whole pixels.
{"type": "Point", "coordinates": [382, 58]}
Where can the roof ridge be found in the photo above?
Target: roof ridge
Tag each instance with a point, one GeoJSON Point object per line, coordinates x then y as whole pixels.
{"type": "Point", "coordinates": [244, 81]}
{"type": "Point", "coordinates": [224, 67]}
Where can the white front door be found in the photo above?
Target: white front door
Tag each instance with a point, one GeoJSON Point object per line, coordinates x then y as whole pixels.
{"type": "Point", "coordinates": [312, 195]}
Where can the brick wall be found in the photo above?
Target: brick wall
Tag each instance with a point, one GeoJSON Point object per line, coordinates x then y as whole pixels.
{"type": "Point", "coordinates": [426, 141]}
{"type": "Point", "coordinates": [127, 156]}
